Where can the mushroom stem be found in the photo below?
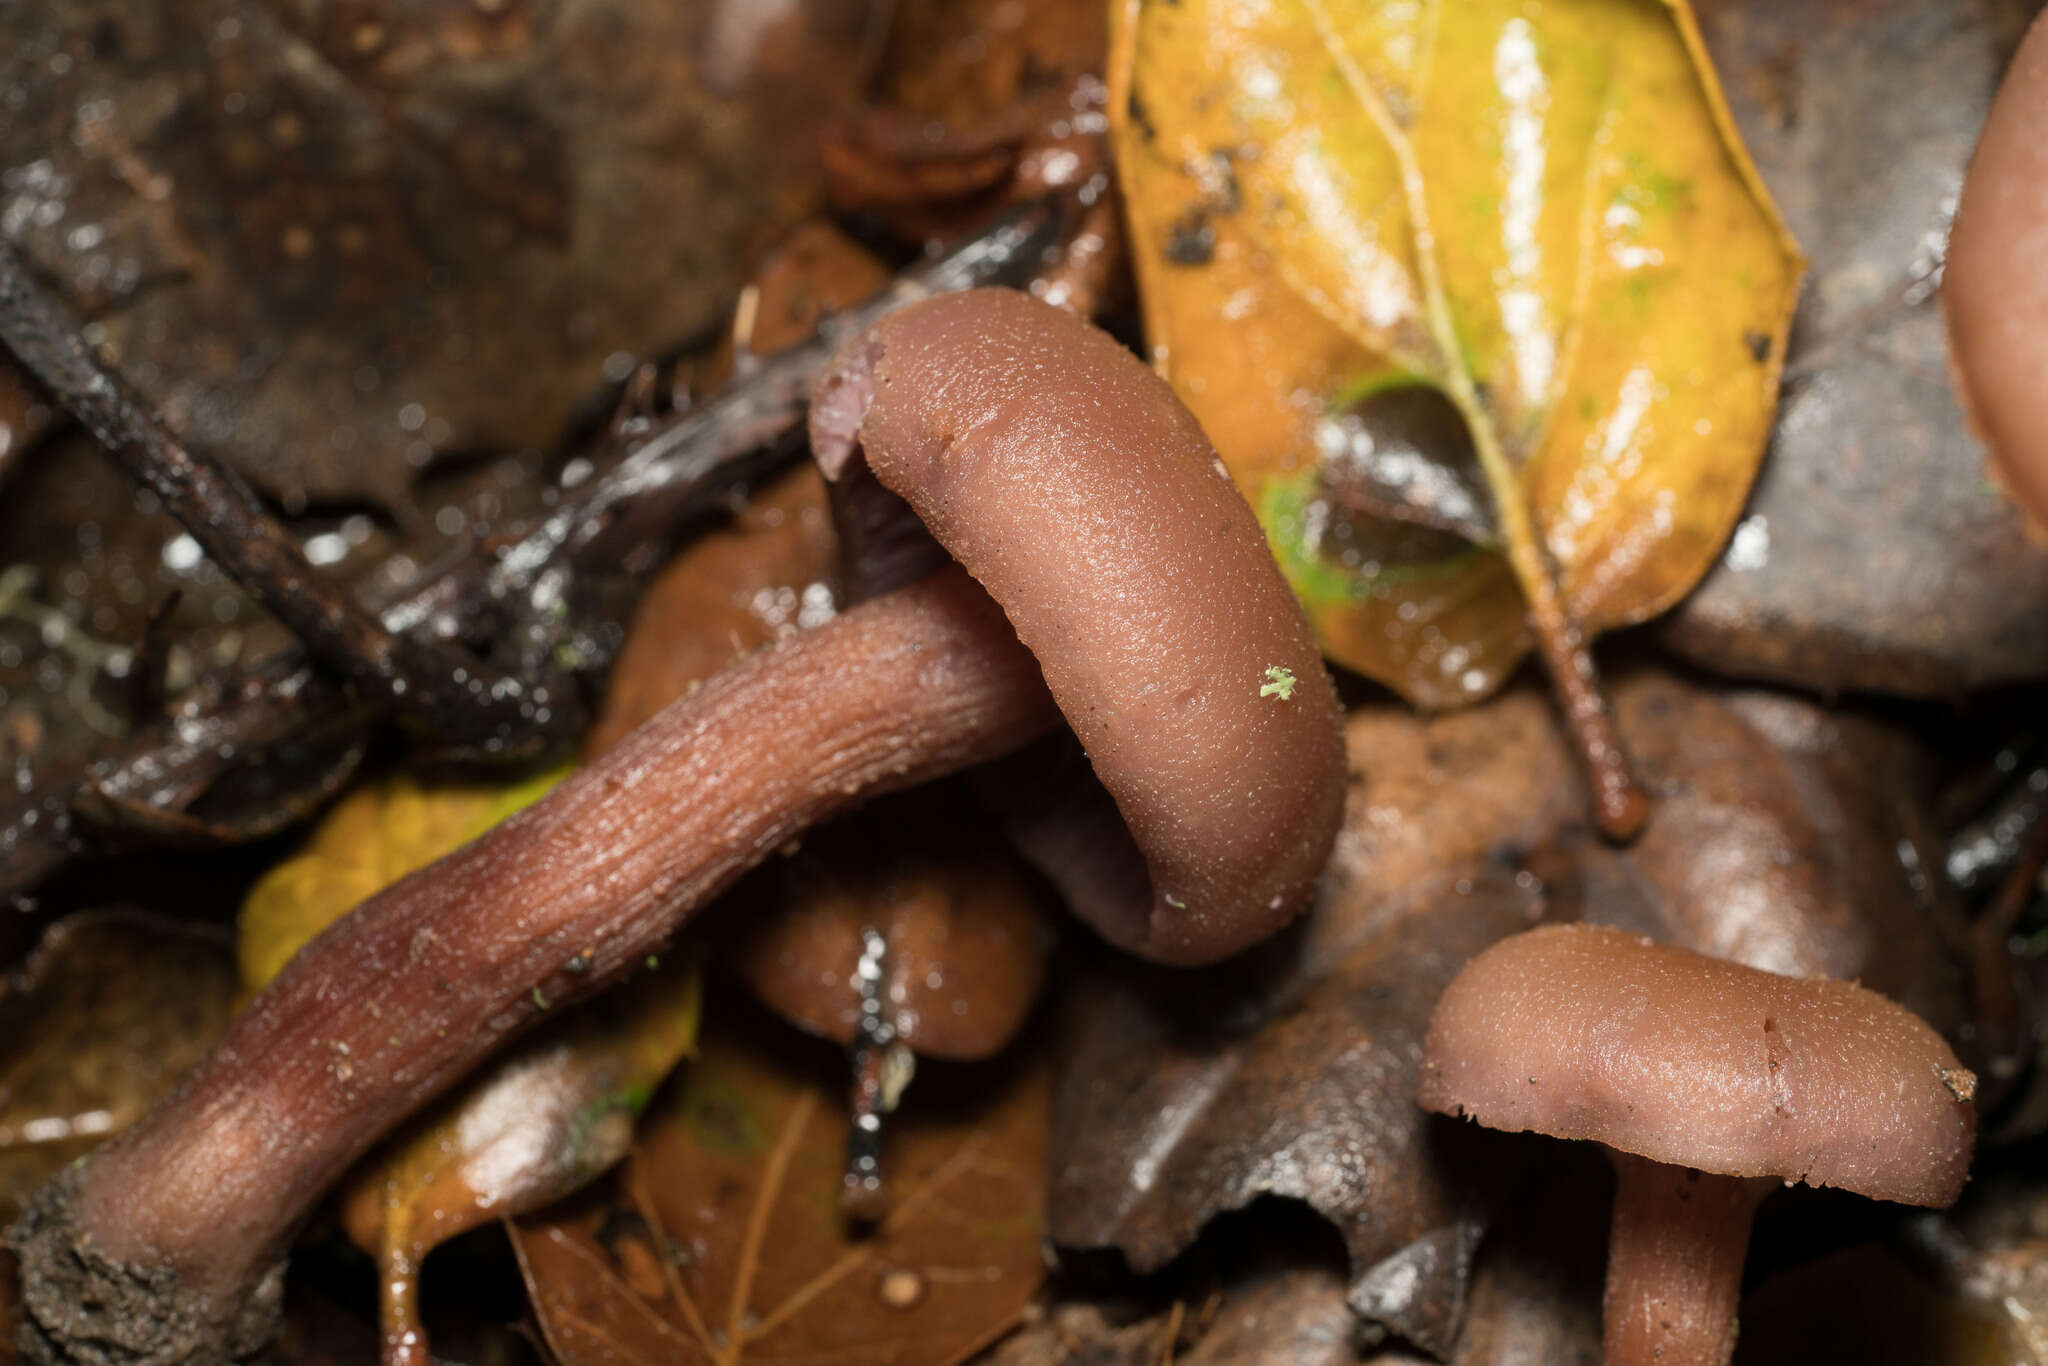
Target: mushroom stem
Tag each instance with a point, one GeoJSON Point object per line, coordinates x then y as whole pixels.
{"type": "Point", "coordinates": [1674, 1262]}
{"type": "Point", "coordinates": [166, 1247]}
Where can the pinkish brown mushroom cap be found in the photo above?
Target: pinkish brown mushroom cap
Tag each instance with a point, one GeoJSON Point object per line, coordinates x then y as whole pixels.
{"type": "Point", "coordinates": [1077, 489]}
{"type": "Point", "coordinates": [1585, 1032]}
{"type": "Point", "coordinates": [1995, 288]}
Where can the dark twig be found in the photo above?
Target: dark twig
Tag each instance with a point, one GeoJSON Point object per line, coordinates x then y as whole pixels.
{"type": "Point", "coordinates": [647, 495]}
{"type": "Point", "coordinates": [435, 688]}
{"type": "Point", "coordinates": [554, 595]}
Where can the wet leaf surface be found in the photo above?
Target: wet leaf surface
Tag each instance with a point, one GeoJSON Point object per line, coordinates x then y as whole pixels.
{"type": "Point", "coordinates": [1543, 217]}
{"type": "Point", "coordinates": [722, 1239]}
{"type": "Point", "coordinates": [1863, 1305]}
{"type": "Point", "coordinates": [100, 1021]}
{"type": "Point", "coordinates": [771, 570]}
{"type": "Point", "coordinates": [1777, 839]}
{"type": "Point", "coordinates": [1185, 1101]}
{"type": "Point", "coordinates": [1537, 1282]}
{"type": "Point", "coordinates": [964, 925]}
{"type": "Point", "coordinates": [978, 102]}
{"type": "Point", "coordinates": [1978, 1273]}
{"type": "Point", "coordinates": [1874, 554]}
{"type": "Point", "coordinates": [731, 591]}
{"type": "Point", "coordinates": [334, 240]}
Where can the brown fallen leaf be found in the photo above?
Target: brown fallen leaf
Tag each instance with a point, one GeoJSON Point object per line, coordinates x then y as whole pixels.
{"type": "Point", "coordinates": [1874, 553]}
{"type": "Point", "coordinates": [964, 928]}
{"type": "Point", "coordinates": [334, 240]}
{"type": "Point", "coordinates": [976, 104]}
{"type": "Point", "coordinates": [103, 1017]}
{"type": "Point", "coordinates": [732, 590]}
{"type": "Point", "coordinates": [721, 1240]}
{"type": "Point", "coordinates": [1778, 839]}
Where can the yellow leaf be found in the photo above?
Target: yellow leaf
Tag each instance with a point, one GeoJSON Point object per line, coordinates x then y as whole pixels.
{"type": "Point", "coordinates": [1542, 215]}
{"type": "Point", "coordinates": [532, 1126]}
{"type": "Point", "coordinates": [374, 836]}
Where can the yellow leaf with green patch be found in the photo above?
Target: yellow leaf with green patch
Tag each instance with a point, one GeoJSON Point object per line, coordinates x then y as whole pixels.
{"type": "Point", "coordinates": [1482, 303]}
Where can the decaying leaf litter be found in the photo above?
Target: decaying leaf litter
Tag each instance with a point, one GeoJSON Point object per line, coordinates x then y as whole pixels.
{"type": "Point", "coordinates": [1815, 837]}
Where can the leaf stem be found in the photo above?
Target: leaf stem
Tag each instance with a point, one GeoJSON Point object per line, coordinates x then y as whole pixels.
{"type": "Point", "coordinates": [1619, 804]}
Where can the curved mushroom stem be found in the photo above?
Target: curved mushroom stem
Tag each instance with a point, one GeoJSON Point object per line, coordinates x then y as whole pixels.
{"type": "Point", "coordinates": [1674, 1262]}
{"type": "Point", "coordinates": [166, 1247]}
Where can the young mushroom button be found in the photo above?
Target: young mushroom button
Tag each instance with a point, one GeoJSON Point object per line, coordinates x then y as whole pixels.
{"type": "Point", "coordinates": [1067, 479]}
{"type": "Point", "coordinates": [1707, 1081]}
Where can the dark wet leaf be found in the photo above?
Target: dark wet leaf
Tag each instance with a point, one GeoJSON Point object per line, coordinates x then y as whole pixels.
{"type": "Point", "coordinates": [1863, 1305]}
{"type": "Point", "coordinates": [722, 1239]}
{"type": "Point", "coordinates": [336, 239]}
{"type": "Point", "coordinates": [1780, 837]}
{"type": "Point", "coordinates": [103, 1017]}
{"type": "Point", "coordinates": [1077, 1333]}
{"type": "Point", "coordinates": [1536, 1286]}
{"type": "Point", "coordinates": [979, 101]}
{"type": "Point", "coordinates": [1787, 836]}
{"type": "Point", "coordinates": [1982, 1273]}
{"type": "Point", "coordinates": [1295, 1316]}
{"type": "Point", "coordinates": [1874, 553]}
{"type": "Point", "coordinates": [1186, 1099]}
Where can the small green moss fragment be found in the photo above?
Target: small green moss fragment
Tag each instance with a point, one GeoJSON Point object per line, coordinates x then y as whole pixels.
{"type": "Point", "coordinates": [1175, 902]}
{"type": "Point", "coordinates": [540, 1002]}
{"type": "Point", "coordinates": [1279, 683]}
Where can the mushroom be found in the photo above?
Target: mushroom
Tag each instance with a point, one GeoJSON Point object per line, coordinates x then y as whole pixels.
{"type": "Point", "coordinates": [1706, 1080]}
{"type": "Point", "coordinates": [1994, 288]}
{"type": "Point", "coordinates": [1058, 471]}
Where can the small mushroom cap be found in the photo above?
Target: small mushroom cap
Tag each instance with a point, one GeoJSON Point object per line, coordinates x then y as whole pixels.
{"type": "Point", "coordinates": [1580, 1031]}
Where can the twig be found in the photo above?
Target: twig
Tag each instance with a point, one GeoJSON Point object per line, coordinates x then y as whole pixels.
{"type": "Point", "coordinates": [552, 595]}
{"type": "Point", "coordinates": [435, 688]}
{"type": "Point", "coordinates": [541, 582]}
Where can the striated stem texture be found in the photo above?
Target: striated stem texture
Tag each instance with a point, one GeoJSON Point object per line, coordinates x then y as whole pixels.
{"type": "Point", "coordinates": [167, 1247]}
{"type": "Point", "coordinates": [1674, 1263]}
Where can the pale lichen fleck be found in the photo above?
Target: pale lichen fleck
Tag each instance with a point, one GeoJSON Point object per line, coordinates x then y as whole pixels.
{"type": "Point", "coordinates": [1279, 683]}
